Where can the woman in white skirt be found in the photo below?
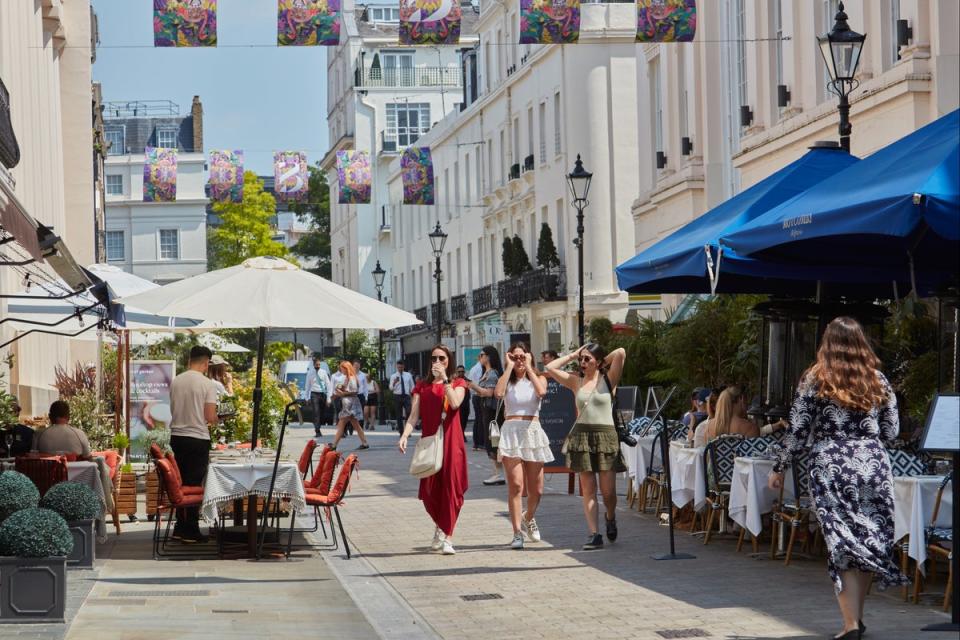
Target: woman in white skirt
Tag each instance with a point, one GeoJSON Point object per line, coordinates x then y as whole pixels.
{"type": "Point", "coordinates": [524, 447]}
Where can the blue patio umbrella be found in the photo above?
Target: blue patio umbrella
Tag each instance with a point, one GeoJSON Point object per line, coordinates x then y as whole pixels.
{"type": "Point", "coordinates": [687, 260]}
{"type": "Point", "coordinates": [897, 209]}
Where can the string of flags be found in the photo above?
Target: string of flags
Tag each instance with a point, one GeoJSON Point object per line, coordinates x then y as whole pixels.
{"type": "Point", "coordinates": [291, 176]}
{"type": "Point", "coordinates": [193, 23]}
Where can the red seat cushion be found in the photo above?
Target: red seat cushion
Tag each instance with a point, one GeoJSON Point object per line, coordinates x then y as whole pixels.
{"type": "Point", "coordinates": [305, 456]}
{"type": "Point", "coordinates": [190, 501]}
{"type": "Point", "coordinates": [174, 466]}
{"type": "Point", "coordinates": [112, 458]}
{"type": "Point", "coordinates": [155, 451]}
{"type": "Point", "coordinates": [170, 484]}
{"type": "Point", "coordinates": [191, 491]}
{"type": "Point", "coordinates": [317, 500]}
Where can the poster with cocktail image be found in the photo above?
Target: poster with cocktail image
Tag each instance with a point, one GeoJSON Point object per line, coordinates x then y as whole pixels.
{"type": "Point", "coordinates": [149, 408]}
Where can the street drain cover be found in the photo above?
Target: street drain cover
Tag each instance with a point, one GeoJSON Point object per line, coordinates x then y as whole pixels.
{"type": "Point", "coordinates": [158, 594]}
{"type": "Point", "coordinates": [683, 633]}
{"type": "Point", "coordinates": [482, 596]}
{"type": "Point", "coordinates": [230, 611]}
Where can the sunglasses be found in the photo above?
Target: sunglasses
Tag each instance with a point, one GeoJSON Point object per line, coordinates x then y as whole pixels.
{"type": "Point", "coordinates": [438, 358]}
{"type": "Point", "coordinates": [585, 358]}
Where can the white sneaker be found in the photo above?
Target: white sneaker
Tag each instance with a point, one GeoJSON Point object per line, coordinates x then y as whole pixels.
{"type": "Point", "coordinates": [517, 541]}
{"type": "Point", "coordinates": [448, 549]}
{"type": "Point", "coordinates": [532, 530]}
{"type": "Point", "coordinates": [494, 480]}
{"type": "Point", "coordinates": [438, 540]}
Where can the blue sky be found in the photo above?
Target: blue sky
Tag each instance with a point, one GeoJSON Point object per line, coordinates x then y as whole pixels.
{"type": "Point", "coordinates": [257, 98]}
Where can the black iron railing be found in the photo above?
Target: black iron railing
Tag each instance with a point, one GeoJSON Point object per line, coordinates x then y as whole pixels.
{"type": "Point", "coordinates": [459, 308]}
{"type": "Point", "coordinates": [533, 286]}
{"type": "Point", "coordinates": [484, 299]}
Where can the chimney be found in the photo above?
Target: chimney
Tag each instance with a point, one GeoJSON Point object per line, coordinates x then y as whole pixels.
{"type": "Point", "coordinates": [196, 112]}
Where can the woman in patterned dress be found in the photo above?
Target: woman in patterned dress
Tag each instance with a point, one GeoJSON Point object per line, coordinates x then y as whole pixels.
{"type": "Point", "coordinates": [351, 407]}
{"type": "Point", "coordinates": [849, 407]}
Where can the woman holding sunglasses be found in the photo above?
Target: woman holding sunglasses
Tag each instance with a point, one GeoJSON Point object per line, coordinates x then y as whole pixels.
{"type": "Point", "coordinates": [524, 447]}
{"type": "Point", "coordinates": [592, 447]}
{"type": "Point", "coordinates": [438, 398]}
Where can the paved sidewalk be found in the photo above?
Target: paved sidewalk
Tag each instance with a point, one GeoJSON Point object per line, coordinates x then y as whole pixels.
{"type": "Point", "coordinates": [553, 590]}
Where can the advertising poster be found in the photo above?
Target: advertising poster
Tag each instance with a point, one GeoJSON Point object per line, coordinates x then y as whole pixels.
{"type": "Point", "coordinates": [184, 23]}
{"type": "Point", "coordinates": [149, 401]}
{"type": "Point", "coordinates": [430, 21]}
{"type": "Point", "coordinates": [308, 23]}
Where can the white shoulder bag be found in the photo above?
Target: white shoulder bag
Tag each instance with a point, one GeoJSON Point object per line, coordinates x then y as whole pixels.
{"type": "Point", "coordinates": [493, 431]}
{"type": "Point", "coordinates": [428, 454]}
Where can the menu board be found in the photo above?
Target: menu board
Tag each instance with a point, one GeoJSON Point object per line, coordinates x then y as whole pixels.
{"type": "Point", "coordinates": [942, 430]}
{"type": "Point", "coordinates": [558, 412]}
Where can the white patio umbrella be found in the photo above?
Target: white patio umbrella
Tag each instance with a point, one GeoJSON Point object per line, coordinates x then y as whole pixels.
{"type": "Point", "coordinates": [269, 293]}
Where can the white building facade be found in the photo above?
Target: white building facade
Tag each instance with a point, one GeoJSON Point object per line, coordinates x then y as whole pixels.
{"type": "Point", "coordinates": [160, 241]}
{"type": "Point", "coordinates": [749, 96]}
{"type": "Point", "coordinates": [500, 167]}
{"type": "Point", "coordinates": [381, 97]}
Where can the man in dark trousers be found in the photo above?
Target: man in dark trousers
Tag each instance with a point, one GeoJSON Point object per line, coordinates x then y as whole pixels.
{"type": "Point", "coordinates": [317, 391]}
{"type": "Point", "coordinates": [193, 406]}
{"type": "Point", "coordinates": [401, 385]}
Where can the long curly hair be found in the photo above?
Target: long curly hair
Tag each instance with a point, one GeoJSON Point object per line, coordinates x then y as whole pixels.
{"type": "Point", "coordinates": [846, 367]}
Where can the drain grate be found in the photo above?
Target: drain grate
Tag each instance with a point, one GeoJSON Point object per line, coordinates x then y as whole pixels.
{"type": "Point", "coordinates": [158, 594]}
{"type": "Point", "coordinates": [121, 602]}
{"type": "Point", "coordinates": [474, 597]}
{"type": "Point", "coordinates": [229, 611]}
{"type": "Point", "coordinates": [683, 633]}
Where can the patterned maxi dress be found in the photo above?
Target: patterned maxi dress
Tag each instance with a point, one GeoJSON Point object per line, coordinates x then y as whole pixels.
{"type": "Point", "coordinates": [850, 479]}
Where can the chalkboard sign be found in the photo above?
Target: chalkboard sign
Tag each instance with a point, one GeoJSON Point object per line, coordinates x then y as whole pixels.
{"type": "Point", "coordinates": [942, 430]}
{"type": "Point", "coordinates": [558, 411]}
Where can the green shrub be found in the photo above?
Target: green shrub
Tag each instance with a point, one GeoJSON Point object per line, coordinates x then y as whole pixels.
{"type": "Point", "coordinates": [72, 500]}
{"type": "Point", "coordinates": [35, 533]}
{"type": "Point", "coordinates": [17, 492]}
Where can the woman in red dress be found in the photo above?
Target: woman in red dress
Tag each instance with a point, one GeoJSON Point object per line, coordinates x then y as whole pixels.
{"type": "Point", "coordinates": [442, 493]}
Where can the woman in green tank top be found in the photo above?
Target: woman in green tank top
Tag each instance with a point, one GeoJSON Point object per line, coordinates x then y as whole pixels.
{"type": "Point", "coordinates": [592, 448]}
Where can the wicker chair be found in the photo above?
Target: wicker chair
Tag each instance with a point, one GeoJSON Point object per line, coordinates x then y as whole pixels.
{"type": "Point", "coordinates": [796, 512]}
{"type": "Point", "coordinates": [754, 448]}
{"type": "Point", "coordinates": [112, 458]}
{"type": "Point", "coordinates": [718, 462]}
{"type": "Point", "coordinates": [44, 471]}
{"type": "Point", "coordinates": [939, 542]}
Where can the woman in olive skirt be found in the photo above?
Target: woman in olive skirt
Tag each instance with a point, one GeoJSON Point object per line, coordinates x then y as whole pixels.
{"type": "Point", "coordinates": [592, 448]}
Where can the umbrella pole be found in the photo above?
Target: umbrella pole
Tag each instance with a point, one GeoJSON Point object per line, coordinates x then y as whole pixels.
{"type": "Point", "coordinates": [254, 436]}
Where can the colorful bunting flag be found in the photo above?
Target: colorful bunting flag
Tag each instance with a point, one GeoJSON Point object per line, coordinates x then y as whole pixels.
{"type": "Point", "coordinates": [353, 176]}
{"type": "Point", "coordinates": [549, 21]}
{"type": "Point", "coordinates": [290, 176]}
{"type": "Point", "coordinates": [160, 175]}
{"type": "Point", "coordinates": [184, 23]}
{"type": "Point", "coordinates": [430, 21]}
{"type": "Point", "coordinates": [226, 176]}
{"type": "Point", "coordinates": [308, 22]}
{"type": "Point", "coordinates": [416, 169]}
{"type": "Point", "coordinates": [666, 20]}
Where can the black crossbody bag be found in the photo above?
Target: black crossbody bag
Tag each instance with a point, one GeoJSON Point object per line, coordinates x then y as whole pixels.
{"type": "Point", "coordinates": [623, 435]}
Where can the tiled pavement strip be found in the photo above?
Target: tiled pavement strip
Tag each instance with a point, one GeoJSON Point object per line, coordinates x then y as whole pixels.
{"type": "Point", "coordinates": [393, 588]}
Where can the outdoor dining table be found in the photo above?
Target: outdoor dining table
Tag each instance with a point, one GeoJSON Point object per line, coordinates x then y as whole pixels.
{"type": "Point", "coordinates": [233, 481]}
{"type": "Point", "coordinates": [913, 501]}
{"type": "Point", "coordinates": [638, 459]}
{"type": "Point", "coordinates": [750, 497]}
{"type": "Point", "coordinates": [88, 473]}
{"type": "Point", "coordinates": [687, 480]}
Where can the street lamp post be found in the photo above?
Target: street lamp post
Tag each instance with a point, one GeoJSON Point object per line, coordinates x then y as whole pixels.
{"type": "Point", "coordinates": [378, 276]}
{"type": "Point", "coordinates": [437, 240]}
{"type": "Point", "coordinates": [579, 180]}
{"type": "Point", "coordinates": [841, 50]}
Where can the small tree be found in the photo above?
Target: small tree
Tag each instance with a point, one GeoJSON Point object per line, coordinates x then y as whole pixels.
{"type": "Point", "coordinates": [507, 257]}
{"type": "Point", "coordinates": [246, 231]}
{"type": "Point", "coordinates": [547, 251]}
{"type": "Point", "coordinates": [521, 262]}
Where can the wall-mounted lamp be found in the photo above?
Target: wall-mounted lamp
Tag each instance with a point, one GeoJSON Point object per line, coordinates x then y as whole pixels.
{"type": "Point", "coordinates": [783, 95]}
{"type": "Point", "coordinates": [904, 33]}
{"type": "Point", "coordinates": [686, 146]}
{"type": "Point", "coordinates": [661, 160]}
{"type": "Point", "coordinates": [746, 115]}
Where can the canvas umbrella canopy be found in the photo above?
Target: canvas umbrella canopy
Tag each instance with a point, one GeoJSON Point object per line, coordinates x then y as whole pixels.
{"type": "Point", "coordinates": [898, 208]}
{"type": "Point", "coordinates": [269, 293]}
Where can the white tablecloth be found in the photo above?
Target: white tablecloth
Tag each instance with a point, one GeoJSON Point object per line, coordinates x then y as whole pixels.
{"type": "Point", "coordinates": [750, 497]}
{"type": "Point", "coordinates": [228, 482]}
{"type": "Point", "coordinates": [913, 500]}
{"type": "Point", "coordinates": [687, 481]}
{"type": "Point", "coordinates": [88, 473]}
{"type": "Point", "coordinates": [639, 459]}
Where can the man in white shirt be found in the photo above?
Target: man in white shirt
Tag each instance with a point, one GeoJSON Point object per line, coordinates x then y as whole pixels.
{"type": "Point", "coordinates": [193, 406]}
{"type": "Point", "coordinates": [476, 373]}
{"type": "Point", "coordinates": [316, 391]}
{"type": "Point", "coordinates": [401, 385]}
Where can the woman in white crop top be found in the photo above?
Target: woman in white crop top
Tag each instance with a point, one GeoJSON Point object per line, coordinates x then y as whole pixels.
{"type": "Point", "coordinates": [524, 447]}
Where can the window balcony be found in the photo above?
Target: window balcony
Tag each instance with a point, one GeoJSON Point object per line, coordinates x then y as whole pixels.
{"type": "Point", "coordinates": [536, 285]}
{"type": "Point", "coordinates": [460, 307]}
{"type": "Point", "coordinates": [484, 299]}
{"type": "Point", "coordinates": [398, 77]}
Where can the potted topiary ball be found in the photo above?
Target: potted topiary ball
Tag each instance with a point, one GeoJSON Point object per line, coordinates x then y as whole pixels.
{"type": "Point", "coordinates": [34, 544]}
{"type": "Point", "coordinates": [17, 492]}
{"type": "Point", "coordinates": [80, 507]}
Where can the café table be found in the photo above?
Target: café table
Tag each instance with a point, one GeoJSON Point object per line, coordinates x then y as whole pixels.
{"type": "Point", "coordinates": [234, 480]}
{"type": "Point", "coordinates": [687, 480]}
{"type": "Point", "coordinates": [913, 501]}
{"type": "Point", "coordinates": [89, 473]}
{"type": "Point", "coordinates": [638, 459]}
{"type": "Point", "coordinates": [750, 497]}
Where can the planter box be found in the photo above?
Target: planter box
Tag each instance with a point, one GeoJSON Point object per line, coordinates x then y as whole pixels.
{"type": "Point", "coordinates": [127, 497]}
{"type": "Point", "coordinates": [84, 544]}
{"type": "Point", "coordinates": [153, 488]}
{"type": "Point", "coordinates": [32, 589]}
